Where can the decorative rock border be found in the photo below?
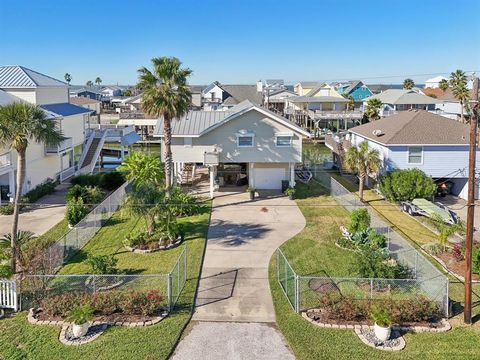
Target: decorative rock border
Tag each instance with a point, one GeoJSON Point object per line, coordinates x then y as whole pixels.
{"type": "Point", "coordinates": [395, 343]}
{"type": "Point", "coordinates": [33, 320]}
{"type": "Point", "coordinates": [89, 280]}
{"type": "Point", "coordinates": [94, 331]}
{"type": "Point", "coordinates": [445, 325]}
{"type": "Point", "coordinates": [160, 248]}
{"type": "Point", "coordinates": [445, 267]}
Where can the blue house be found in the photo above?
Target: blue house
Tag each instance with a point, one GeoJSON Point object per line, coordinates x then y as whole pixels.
{"type": "Point", "coordinates": [88, 93]}
{"type": "Point", "coordinates": [356, 88]}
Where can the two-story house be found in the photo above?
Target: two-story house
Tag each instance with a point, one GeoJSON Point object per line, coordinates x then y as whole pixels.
{"type": "Point", "coordinates": [20, 84]}
{"type": "Point", "coordinates": [222, 97]}
{"type": "Point", "coordinates": [246, 144]}
{"type": "Point", "coordinates": [356, 89]}
{"type": "Point", "coordinates": [415, 139]}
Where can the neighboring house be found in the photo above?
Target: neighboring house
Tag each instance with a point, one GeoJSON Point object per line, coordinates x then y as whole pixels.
{"type": "Point", "coordinates": [217, 96]}
{"type": "Point", "coordinates": [88, 103]}
{"type": "Point", "coordinates": [276, 100]}
{"type": "Point", "coordinates": [196, 91]}
{"type": "Point", "coordinates": [304, 87]}
{"type": "Point", "coordinates": [378, 88]}
{"type": "Point", "coordinates": [88, 93]}
{"type": "Point", "coordinates": [394, 100]}
{"type": "Point", "coordinates": [434, 82]}
{"type": "Point", "coordinates": [447, 105]}
{"type": "Point", "coordinates": [246, 144]}
{"type": "Point", "coordinates": [415, 139]}
{"type": "Point", "coordinates": [356, 89]}
{"type": "Point", "coordinates": [111, 91]}
{"type": "Point", "coordinates": [321, 97]}
{"type": "Point", "coordinates": [17, 84]}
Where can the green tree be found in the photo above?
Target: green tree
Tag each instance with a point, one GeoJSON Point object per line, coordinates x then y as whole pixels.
{"type": "Point", "coordinates": [89, 83]}
{"type": "Point", "coordinates": [372, 109]}
{"type": "Point", "coordinates": [142, 168]}
{"type": "Point", "coordinates": [167, 95]}
{"type": "Point", "coordinates": [22, 250]}
{"type": "Point", "coordinates": [127, 92]}
{"type": "Point", "coordinates": [98, 81]}
{"type": "Point", "coordinates": [351, 102]}
{"type": "Point", "coordinates": [364, 161]}
{"type": "Point", "coordinates": [68, 78]}
{"type": "Point", "coordinates": [458, 82]}
{"type": "Point", "coordinates": [20, 124]}
{"type": "Point", "coordinates": [445, 230]}
{"type": "Point", "coordinates": [443, 84]}
{"type": "Point", "coordinates": [408, 84]}
{"type": "Point", "coordinates": [408, 184]}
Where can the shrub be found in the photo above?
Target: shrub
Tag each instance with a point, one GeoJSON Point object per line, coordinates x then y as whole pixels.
{"type": "Point", "coordinates": [136, 239]}
{"type": "Point", "coordinates": [380, 316]}
{"type": "Point", "coordinates": [371, 263]}
{"type": "Point", "coordinates": [76, 211]}
{"type": "Point", "coordinates": [144, 303]}
{"type": "Point", "coordinates": [5, 271]}
{"type": "Point", "coordinates": [183, 204]}
{"type": "Point", "coordinates": [60, 305]}
{"type": "Point", "coordinates": [409, 184]}
{"type": "Point", "coordinates": [102, 264]}
{"type": "Point", "coordinates": [376, 240]}
{"type": "Point", "coordinates": [111, 180]}
{"type": "Point", "coordinates": [80, 314]}
{"type": "Point", "coordinates": [39, 191]}
{"type": "Point", "coordinates": [7, 209]}
{"type": "Point", "coordinates": [434, 249]}
{"type": "Point", "coordinates": [458, 251]}
{"type": "Point", "coordinates": [77, 192]}
{"type": "Point", "coordinates": [359, 220]}
{"type": "Point", "coordinates": [87, 179]}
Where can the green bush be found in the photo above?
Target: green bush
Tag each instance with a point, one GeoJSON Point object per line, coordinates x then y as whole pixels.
{"type": "Point", "coordinates": [136, 239]}
{"type": "Point", "coordinates": [87, 179]}
{"type": "Point", "coordinates": [5, 271]}
{"type": "Point", "coordinates": [371, 263]}
{"type": "Point", "coordinates": [77, 192]}
{"type": "Point", "coordinates": [111, 180]}
{"type": "Point", "coordinates": [476, 260]}
{"type": "Point", "coordinates": [80, 314]}
{"type": "Point", "coordinates": [7, 209]}
{"type": "Point", "coordinates": [39, 191]}
{"type": "Point", "coordinates": [102, 264]}
{"type": "Point", "coordinates": [183, 204]}
{"type": "Point", "coordinates": [76, 211]}
{"type": "Point", "coordinates": [359, 220]}
{"type": "Point", "coordinates": [369, 238]}
{"type": "Point", "coordinates": [403, 185]}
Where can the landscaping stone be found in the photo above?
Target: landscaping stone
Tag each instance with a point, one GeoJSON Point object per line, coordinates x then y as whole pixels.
{"type": "Point", "coordinates": [66, 335]}
{"type": "Point", "coordinates": [395, 343]}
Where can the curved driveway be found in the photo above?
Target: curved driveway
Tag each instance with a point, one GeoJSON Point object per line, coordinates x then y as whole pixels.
{"type": "Point", "coordinates": [242, 237]}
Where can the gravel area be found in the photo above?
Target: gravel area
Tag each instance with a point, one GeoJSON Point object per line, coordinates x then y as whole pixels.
{"type": "Point", "coordinates": [233, 341]}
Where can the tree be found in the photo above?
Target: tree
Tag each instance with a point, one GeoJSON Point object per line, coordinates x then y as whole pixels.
{"type": "Point", "coordinates": [408, 84]}
{"type": "Point", "coordinates": [24, 256]}
{"type": "Point", "coordinates": [127, 92]}
{"type": "Point", "coordinates": [445, 230]}
{"type": "Point", "coordinates": [458, 82]}
{"type": "Point", "coordinates": [372, 109]}
{"type": "Point", "coordinates": [351, 101]}
{"type": "Point", "coordinates": [68, 78]}
{"type": "Point", "coordinates": [89, 83]}
{"type": "Point", "coordinates": [142, 168]}
{"type": "Point", "coordinates": [98, 81]}
{"type": "Point", "coordinates": [364, 161]}
{"type": "Point", "coordinates": [166, 94]}
{"type": "Point", "coordinates": [408, 184]}
{"type": "Point", "coordinates": [21, 123]}
{"type": "Point", "coordinates": [443, 84]}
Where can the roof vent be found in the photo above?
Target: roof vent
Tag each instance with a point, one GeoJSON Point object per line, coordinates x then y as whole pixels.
{"type": "Point", "coordinates": [377, 132]}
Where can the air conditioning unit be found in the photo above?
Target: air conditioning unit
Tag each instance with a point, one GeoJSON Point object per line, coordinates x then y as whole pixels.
{"type": "Point", "coordinates": [377, 132]}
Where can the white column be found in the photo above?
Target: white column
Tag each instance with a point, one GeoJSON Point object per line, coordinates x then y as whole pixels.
{"type": "Point", "coordinates": [292, 174]}
{"type": "Point", "coordinates": [212, 180]}
{"type": "Point", "coordinates": [251, 179]}
{"type": "Point", "coordinates": [11, 181]}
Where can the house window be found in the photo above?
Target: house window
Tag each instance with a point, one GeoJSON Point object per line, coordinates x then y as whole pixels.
{"type": "Point", "coordinates": [415, 155]}
{"type": "Point", "coordinates": [245, 140]}
{"type": "Point", "coordinates": [283, 140]}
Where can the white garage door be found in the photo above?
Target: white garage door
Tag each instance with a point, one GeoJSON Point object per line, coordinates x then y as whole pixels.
{"type": "Point", "coordinates": [270, 178]}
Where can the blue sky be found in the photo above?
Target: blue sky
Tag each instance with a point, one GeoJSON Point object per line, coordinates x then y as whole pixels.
{"type": "Point", "coordinates": [242, 41]}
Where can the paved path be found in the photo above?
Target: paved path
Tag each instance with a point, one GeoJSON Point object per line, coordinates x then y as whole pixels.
{"type": "Point", "coordinates": [232, 341]}
{"type": "Point", "coordinates": [45, 213]}
{"type": "Point", "coordinates": [242, 237]}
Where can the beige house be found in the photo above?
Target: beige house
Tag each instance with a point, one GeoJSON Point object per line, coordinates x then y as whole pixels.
{"type": "Point", "coordinates": [246, 145]}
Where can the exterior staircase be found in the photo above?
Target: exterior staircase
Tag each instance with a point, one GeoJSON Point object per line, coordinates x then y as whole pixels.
{"type": "Point", "coordinates": [94, 146]}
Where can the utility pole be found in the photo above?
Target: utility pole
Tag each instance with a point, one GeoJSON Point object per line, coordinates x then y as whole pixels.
{"type": "Point", "coordinates": [467, 314]}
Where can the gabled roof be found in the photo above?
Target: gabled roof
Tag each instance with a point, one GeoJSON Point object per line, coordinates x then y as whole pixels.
{"type": "Point", "coordinates": [415, 127]}
{"type": "Point", "coordinates": [446, 95]}
{"type": "Point", "coordinates": [15, 76]}
{"type": "Point", "coordinates": [316, 89]}
{"type": "Point", "coordinates": [239, 93]}
{"type": "Point", "coordinates": [402, 97]}
{"type": "Point", "coordinates": [309, 84]}
{"type": "Point", "coordinates": [90, 90]}
{"type": "Point", "coordinates": [65, 109]}
{"type": "Point", "coordinates": [316, 99]}
{"type": "Point", "coordinates": [81, 100]}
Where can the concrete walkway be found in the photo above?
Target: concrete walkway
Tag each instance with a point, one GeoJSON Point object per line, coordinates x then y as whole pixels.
{"type": "Point", "coordinates": [44, 214]}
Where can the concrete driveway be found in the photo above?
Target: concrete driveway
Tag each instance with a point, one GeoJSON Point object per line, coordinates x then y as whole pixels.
{"type": "Point", "coordinates": [458, 205]}
{"type": "Point", "coordinates": [242, 237]}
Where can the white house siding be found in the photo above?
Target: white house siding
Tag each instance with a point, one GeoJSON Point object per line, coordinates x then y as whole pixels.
{"type": "Point", "coordinates": [25, 94]}
{"type": "Point", "coordinates": [51, 95]}
{"type": "Point", "coordinates": [74, 127]}
{"type": "Point", "coordinates": [257, 168]}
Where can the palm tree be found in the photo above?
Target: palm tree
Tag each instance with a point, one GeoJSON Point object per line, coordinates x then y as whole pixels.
{"type": "Point", "coordinates": [458, 82]}
{"type": "Point", "coordinates": [24, 253]}
{"type": "Point", "coordinates": [372, 109]}
{"type": "Point", "coordinates": [89, 83]}
{"type": "Point", "coordinates": [68, 78]}
{"type": "Point", "coordinates": [364, 162]}
{"type": "Point", "coordinates": [98, 81]}
{"type": "Point", "coordinates": [351, 101]}
{"type": "Point", "coordinates": [445, 230]}
{"type": "Point", "coordinates": [21, 123]}
{"type": "Point", "coordinates": [443, 84]}
{"type": "Point", "coordinates": [142, 168]}
{"type": "Point", "coordinates": [166, 94]}
{"type": "Point", "coordinates": [408, 84]}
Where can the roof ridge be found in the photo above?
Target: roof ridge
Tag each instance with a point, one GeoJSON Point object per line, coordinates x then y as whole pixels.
{"type": "Point", "coordinates": [26, 74]}
{"type": "Point", "coordinates": [36, 72]}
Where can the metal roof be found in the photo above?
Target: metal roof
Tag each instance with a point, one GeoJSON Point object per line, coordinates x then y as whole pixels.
{"type": "Point", "coordinates": [316, 99]}
{"type": "Point", "coordinates": [403, 97]}
{"type": "Point", "coordinates": [65, 109]}
{"type": "Point", "coordinates": [15, 76]}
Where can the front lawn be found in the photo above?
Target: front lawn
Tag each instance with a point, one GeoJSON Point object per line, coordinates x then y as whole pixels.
{"type": "Point", "coordinates": [20, 340]}
{"type": "Point", "coordinates": [313, 252]}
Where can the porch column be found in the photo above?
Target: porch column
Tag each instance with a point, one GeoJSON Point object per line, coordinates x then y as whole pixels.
{"type": "Point", "coordinates": [212, 180]}
{"type": "Point", "coordinates": [251, 179]}
{"type": "Point", "coordinates": [292, 174]}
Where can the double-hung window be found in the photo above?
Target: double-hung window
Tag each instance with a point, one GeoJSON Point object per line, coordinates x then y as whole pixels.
{"type": "Point", "coordinates": [283, 139]}
{"type": "Point", "coordinates": [415, 155]}
{"type": "Point", "coordinates": [245, 139]}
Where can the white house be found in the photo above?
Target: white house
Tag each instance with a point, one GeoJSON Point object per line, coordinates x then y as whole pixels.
{"type": "Point", "coordinates": [244, 145]}
{"type": "Point", "coordinates": [394, 100]}
{"type": "Point", "coordinates": [417, 139]}
{"type": "Point", "coordinates": [217, 96]}
{"type": "Point", "coordinates": [434, 82]}
{"type": "Point", "coordinates": [18, 84]}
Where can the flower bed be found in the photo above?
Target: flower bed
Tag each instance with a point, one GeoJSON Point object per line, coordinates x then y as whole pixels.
{"type": "Point", "coordinates": [153, 246]}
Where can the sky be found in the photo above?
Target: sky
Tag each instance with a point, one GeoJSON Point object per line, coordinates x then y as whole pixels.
{"type": "Point", "coordinates": [240, 42]}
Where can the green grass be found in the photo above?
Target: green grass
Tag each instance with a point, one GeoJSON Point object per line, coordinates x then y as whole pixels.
{"type": "Point", "coordinates": [313, 252]}
{"type": "Point", "coordinates": [52, 235]}
{"type": "Point", "coordinates": [20, 340]}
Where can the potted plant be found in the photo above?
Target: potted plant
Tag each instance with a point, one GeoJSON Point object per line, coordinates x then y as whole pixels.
{"type": "Point", "coordinates": [383, 323]}
{"type": "Point", "coordinates": [290, 192]}
{"type": "Point", "coordinates": [251, 191]}
{"type": "Point", "coordinates": [80, 318]}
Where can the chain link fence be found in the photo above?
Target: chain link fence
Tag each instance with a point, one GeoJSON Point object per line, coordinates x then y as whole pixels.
{"type": "Point", "coordinates": [177, 278]}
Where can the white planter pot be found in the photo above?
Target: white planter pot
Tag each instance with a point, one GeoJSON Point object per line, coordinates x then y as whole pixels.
{"type": "Point", "coordinates": [80, 330]}
{"type": "Point", "coordinates": [382, 333]}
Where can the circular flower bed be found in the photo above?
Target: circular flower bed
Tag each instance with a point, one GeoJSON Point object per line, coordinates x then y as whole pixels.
{"type": "Point", "coordinates": [154, 245]}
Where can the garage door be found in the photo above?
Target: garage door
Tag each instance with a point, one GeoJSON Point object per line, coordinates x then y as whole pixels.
{"type": "Point", "coordinates": [270, 178]}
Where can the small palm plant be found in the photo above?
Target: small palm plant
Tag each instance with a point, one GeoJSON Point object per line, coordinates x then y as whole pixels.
{"type": "Point", "coordinates": [372, 109]}
{"type": "Point", "coordinates": [445, 230]}
{"type": "Point", "coordinates": [142, 168]}
{"type": "Point", "coordinates": [364, 161]}
{"type": "Point", "coordinates": [25, 252]}
{"type": "Point", "coordinates": [408, 84]}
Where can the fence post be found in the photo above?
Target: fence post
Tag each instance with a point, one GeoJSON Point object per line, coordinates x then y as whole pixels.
{"type": "Point", "coordinates": [416, 261]}
{"type": "Point", "coordinates": [185, 262]}
{"type": "Point", "coordinates": [297, 294]}
{"type": "Point", "coordinates": [278, 266]}
{"type": "Point", "coordinates": [169, 291]}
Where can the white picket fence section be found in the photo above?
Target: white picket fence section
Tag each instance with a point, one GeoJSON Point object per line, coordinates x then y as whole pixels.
{"type": "Point", "coordinates": [8, 295]}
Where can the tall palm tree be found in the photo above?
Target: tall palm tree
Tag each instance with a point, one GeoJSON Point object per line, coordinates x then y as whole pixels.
{"type": "Point", "coordinates": [363, 161]}
{"type": "Point", "coordinates": [408, 84]}
{"type": "Point", "coordinates": [68, 78]}
{"type": "Point", "coordinates": [458, 82]}
{"type": "Point", "coordinates": [166, 94]}
{"type": "Point", "coordinates": [20, 124]}
{"type": "Point", "coordinates": [443, 84]}
{"type": "Point", "coordinates": [98, 81]}
{"type": "Point", "coordinates": [372, 109]}
{"type": "Point", "coordinates": [89, 83]}
{"type": "Point", "coordinates": [351, 101]}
